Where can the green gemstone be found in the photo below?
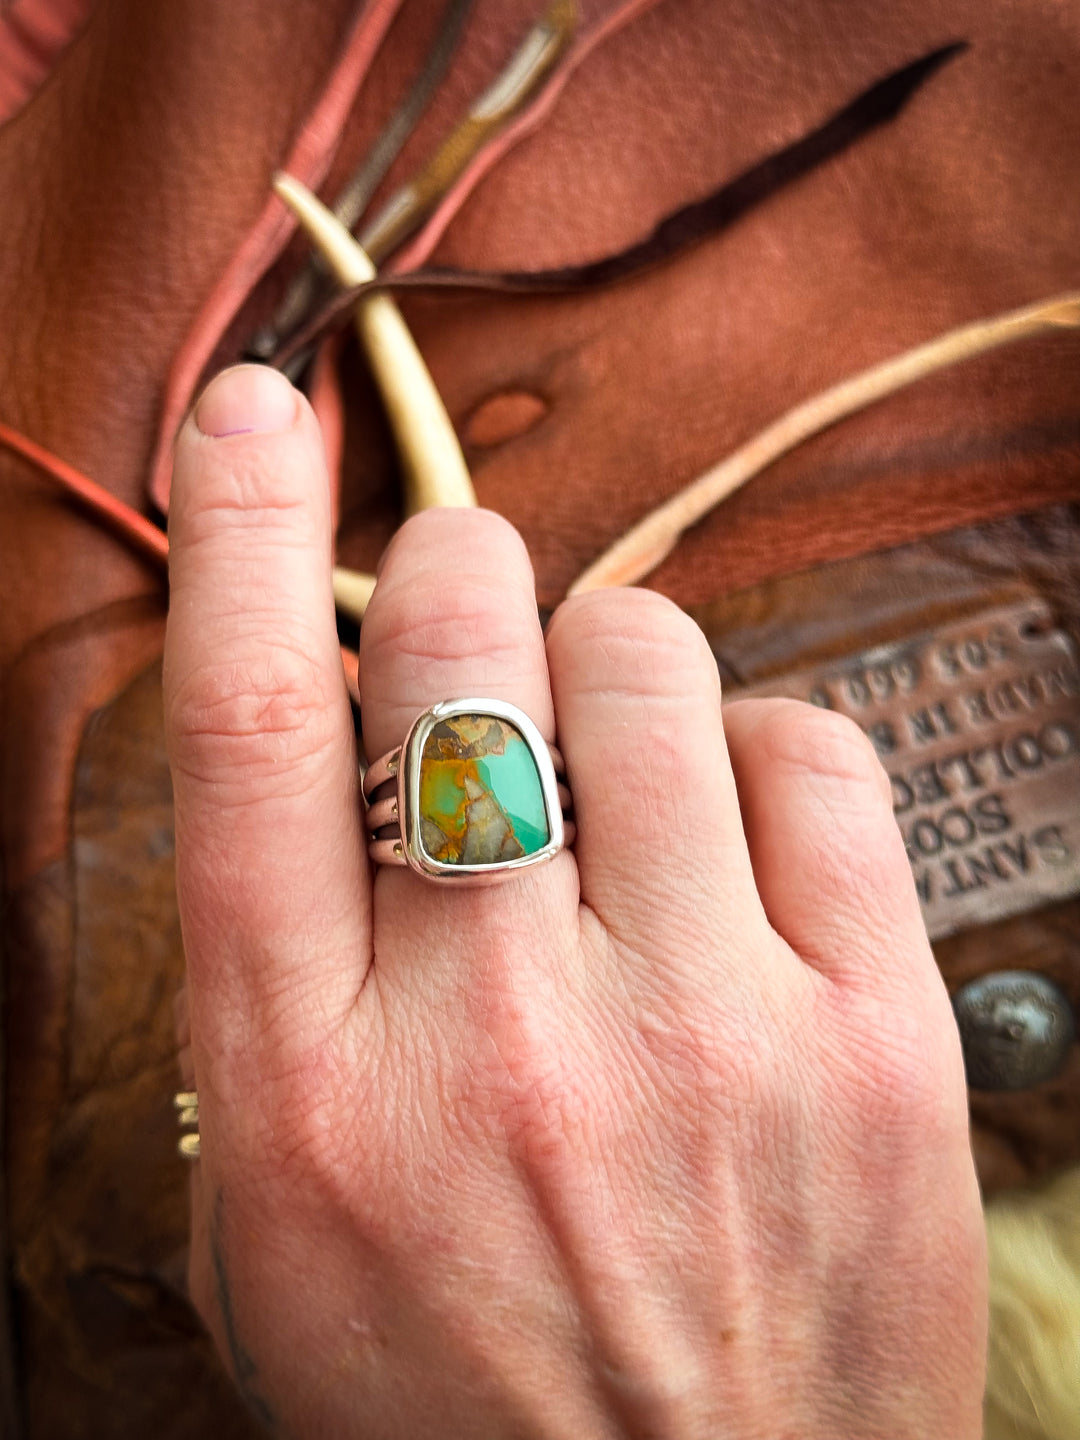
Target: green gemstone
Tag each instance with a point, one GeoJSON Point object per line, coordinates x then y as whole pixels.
{"type": "Point", "coordinates": [481, 801]}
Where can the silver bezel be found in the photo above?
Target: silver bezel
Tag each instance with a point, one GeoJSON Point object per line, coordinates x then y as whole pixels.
{"type": "Point", "coordinates": [409, 791]}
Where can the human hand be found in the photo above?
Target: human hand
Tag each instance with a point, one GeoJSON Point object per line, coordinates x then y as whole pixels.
{"type": "Point", "coordinates": [665, 1138]}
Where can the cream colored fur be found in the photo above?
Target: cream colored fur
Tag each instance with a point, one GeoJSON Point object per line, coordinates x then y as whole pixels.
{"type": "Point", "coordinates": [1033, 1382]}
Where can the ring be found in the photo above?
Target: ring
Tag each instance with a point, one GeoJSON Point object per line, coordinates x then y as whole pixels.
{"type": "Point", "coordinates": [472, 794]}
{"type": "Point", "coordinates": [186, 1104]}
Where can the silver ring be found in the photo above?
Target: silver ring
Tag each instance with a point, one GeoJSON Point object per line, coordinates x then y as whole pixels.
{"type": "Point", "coordinates": [472, 795]}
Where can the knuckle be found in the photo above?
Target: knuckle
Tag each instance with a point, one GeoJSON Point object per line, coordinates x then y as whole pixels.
{"type": "Point", "coordinates": [901, 1076]}
{"type": "Point", "coordinates": [519, 1088]}
{"type": "Point", "coordinates": [430, 622]}
{"type": "Point", "coordinates": [639, 644]}
{"type": "Point", "coordinates": [681, 1057]}
{"type": "Point", "coordinates": [803, 739]}
{"type": "Point", "coordinates": [291, 1136]}
{"type": "Point", "coordinates": [262, 713]}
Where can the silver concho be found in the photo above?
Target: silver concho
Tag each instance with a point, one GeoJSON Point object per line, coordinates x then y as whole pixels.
{"type": "Point", "coordinates": [1016, 1027]}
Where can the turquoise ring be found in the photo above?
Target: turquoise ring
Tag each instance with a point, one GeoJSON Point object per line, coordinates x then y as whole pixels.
{"type": "Point", "coordinates": [473, 794]}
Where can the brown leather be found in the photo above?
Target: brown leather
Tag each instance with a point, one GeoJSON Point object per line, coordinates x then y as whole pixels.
{"type": "Point", "coordinates": [128, 184]}
{"type": "Point", "coordinates": [97, 1191]}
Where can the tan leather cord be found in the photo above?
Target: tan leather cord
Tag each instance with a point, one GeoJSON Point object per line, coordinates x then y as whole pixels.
{"type": "Point", "coordinates": [643, 547]}
{"type": "Point", "coordinates": [653, 538]}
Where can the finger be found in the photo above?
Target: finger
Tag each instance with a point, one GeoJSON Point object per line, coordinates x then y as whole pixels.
{"type": "Point", "coordinates": [453, 615]}
{"type": "Point", "coordinates": [269, 864]}
{"type": "Point", "coordinates": [827, 855]}
{"type": "Point", "coordinates": [660, 847]}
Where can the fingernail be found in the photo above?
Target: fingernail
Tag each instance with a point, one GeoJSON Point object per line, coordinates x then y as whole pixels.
{"type": "Point", "coordinates": [246, 400]}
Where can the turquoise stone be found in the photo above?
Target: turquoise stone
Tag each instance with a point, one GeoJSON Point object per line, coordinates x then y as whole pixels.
{"type": "Point", "coordinates": [481, 800]}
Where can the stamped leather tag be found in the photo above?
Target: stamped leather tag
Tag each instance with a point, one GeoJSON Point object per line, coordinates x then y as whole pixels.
{"type": "Point", "coordinates": [978, 726]}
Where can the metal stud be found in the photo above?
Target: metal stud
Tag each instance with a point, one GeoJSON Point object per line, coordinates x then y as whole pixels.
{"type": "Point", "coordinates": [1016, 1028]}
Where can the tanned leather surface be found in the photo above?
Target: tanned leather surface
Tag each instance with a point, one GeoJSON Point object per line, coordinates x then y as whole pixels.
{"type": "Point", "coordinates": [99, 1194]}
{"type": "Point", "coordinates": [127, 184]}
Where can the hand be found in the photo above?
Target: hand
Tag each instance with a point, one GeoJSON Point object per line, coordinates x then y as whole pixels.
{"type": "Point", "coordinates": [665, 1138]}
